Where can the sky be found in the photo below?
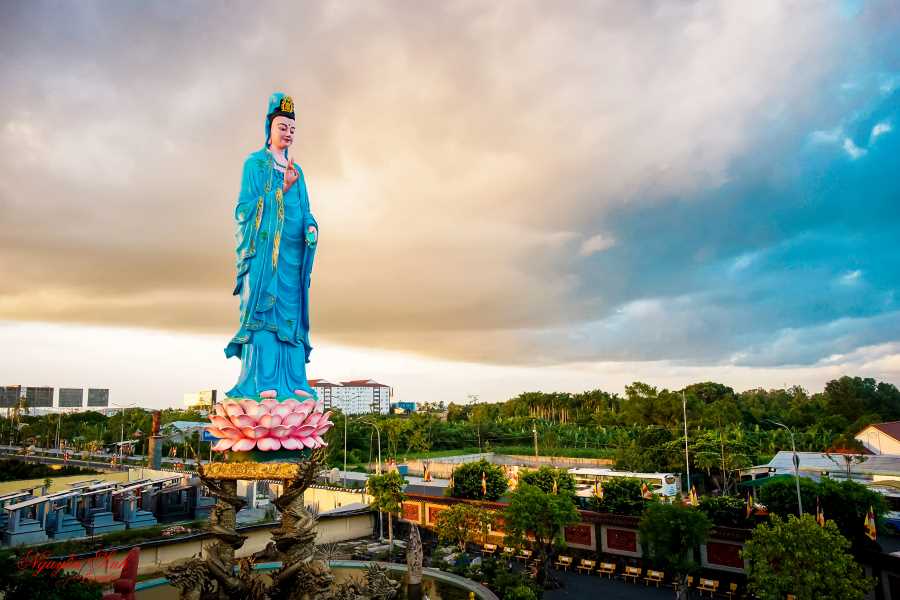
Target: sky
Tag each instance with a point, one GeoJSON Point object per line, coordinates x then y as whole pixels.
{"type": "Point", "coordinates": [512, 196]}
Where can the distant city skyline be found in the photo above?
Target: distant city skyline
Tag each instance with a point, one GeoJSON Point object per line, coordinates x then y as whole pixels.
{"type": "Point", "coordinates": [511, 196]}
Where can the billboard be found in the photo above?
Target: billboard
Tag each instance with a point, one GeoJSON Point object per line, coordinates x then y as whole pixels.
{"type": "Point", "coordinates": [71, 397]}
{"type": "Point", "coordinates": [206, 436]}
{"type": "Point", "coordinates": [39, 397]}
{"type": "Point", "coordinates": [200, 400]}
{"type": "Point", "coordinates": [9, 396]}
{"type": "Point", "coordinates": [98, 397]}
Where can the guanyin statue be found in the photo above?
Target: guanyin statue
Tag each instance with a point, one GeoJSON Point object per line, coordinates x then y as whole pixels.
{"type": "Point", "coordinates": [276, 236]}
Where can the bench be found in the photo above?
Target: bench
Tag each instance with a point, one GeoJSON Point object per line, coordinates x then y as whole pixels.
{"type": "Point", "coordinates": [563, 562]}
{"type": "Point", "coordinates": [509, 551]}
{"type": "Point", "coordinates": [631, 572]}
{"type": "Point", "coordinates": [489, 549]}
{"type": "Point", "coordinates": [606, 568]}
{"type": "Point", "coordinates": [708, 585]}
{"type": "Point", "coordinates": [732, 591]}
{"type": "Point", "coordinates": [525, 554]}
{"type": "Point", "coordinates": [654, 577]}
{"type": "Point", "coordinates": [586, 565]}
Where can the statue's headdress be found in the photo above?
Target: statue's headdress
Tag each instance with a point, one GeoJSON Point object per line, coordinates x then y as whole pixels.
{"type": "Point", "coordinates": [280, 105]}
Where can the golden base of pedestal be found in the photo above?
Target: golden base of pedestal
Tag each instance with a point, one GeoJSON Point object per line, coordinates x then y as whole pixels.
{"type": "Point", "coordinates": [252, 471]}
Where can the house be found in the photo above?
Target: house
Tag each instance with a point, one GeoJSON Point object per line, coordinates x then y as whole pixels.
{"type": "Point", "coordinates": [881, 438]}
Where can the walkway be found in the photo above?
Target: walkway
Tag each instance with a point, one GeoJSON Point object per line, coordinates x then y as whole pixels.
{"type": "Point", "coordinates": [594, 586]}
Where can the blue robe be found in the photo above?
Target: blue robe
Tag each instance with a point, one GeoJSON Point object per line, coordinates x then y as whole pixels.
{"type": "Point", "coordinates": [274, 263]}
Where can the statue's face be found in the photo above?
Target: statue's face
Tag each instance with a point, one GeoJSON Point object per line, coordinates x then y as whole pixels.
{"type": "Point", "coordinates": [282, 132]}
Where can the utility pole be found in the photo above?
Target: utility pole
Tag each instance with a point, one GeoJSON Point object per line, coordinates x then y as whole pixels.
{"type": "Point", "coordinates": [687, 461]}
{"type": "Point", "coordinates": [534, 432]}
{"type": "Point", "coordinates": [796, 464]}
{"type": "Point", "coordinates": [473, 399]}
{"type": "Point", "coordinates": [345, 449]}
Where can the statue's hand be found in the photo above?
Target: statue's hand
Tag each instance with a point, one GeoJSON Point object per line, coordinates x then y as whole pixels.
{"type": "Point", "coordinates": [291, 175]}
{"type": "Point", "coordinates": [312, 235]}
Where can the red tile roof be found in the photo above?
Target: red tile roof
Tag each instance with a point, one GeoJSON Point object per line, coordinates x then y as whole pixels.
{"type": "Point", "coordinates": [362, 383]}
{"type": "Point", "coordinates": [891, 428]}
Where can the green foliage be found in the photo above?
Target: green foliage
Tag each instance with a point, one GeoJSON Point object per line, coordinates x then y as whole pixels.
{"type": "Point", "coordinates": [844, 502]}
{"type": "Point", "coordinates": [670, 533]}
{"type": "Point", "coordinates": [620, 496]}
{"type": "Point", "coordinates": [823, 570]}
{"type": "Point", "coordinates": [545, 477]}
{"type": "Point", "coordinates": [725, 511]}
{"type": "Point", "coordinates": [461, 523]}
{"type": "Point", "coordinates": [534, 513]}
{"type": "Point", "coordinates": [467, 481]}
{"type": "Point", "coordinates": [386, 491]}
{"type": "Point", "coordinates": [780, 495]}
{"type": "Point", "coordinates": [20, 580]}
{"type": "Point", "coordinates": [506, 583]}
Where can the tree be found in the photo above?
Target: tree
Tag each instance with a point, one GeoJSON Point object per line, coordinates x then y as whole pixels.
{"type": "Point", "coordinates": [620, 496]}
{"type": "Point", "coordinates": [535, 513]}
{"type": "Point", "coordinates": [467, 481]}
{"type": "Point", "coordinates": [824, 570]}
{"type": "Point", "coordinates": [670, 533]}
{"type": "Point", "coordinates": [546, 476]}
{"type": "Point", "coordinates": [844, 502]}
{"type": "Point", "coordinates": [463, 523]}
{"type": "Point", "coordinates": [727, 511]}
{"type": "Point", "coordinates": [387, 496]}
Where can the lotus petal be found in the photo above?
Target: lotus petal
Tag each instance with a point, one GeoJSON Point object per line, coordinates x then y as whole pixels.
{"type": "Point", "coordinates": [269, 404]}
{"type": "Point", "coordinates": [243, 445]}
{"type": "Point", "coordinates": [220, 410]}
{"type": "Point", "coordinates": [216, 432]}
{"type": "Point", "coordinates": [281, 410]}
{"type": "Point", "coordinates": [257, 411]}
{"type": "Point", "coordinates": [233, 409]}
{"type": "Point", "coordinates": [308, 442]}
{"type": "Point", "coordinates": [247, 404]}
{"type": "Point", "coordinates": [280, 431]}
{"type": "Point", "coordinates": [220, 421]}
{"type": "Point", "coordinates": [323, 429]}
{"type": "Point", "coordinates": [304, 431]}
{"type": "Point", "coordinates": [270, 420]}
{"type": "Point", "coordinates": [232, 432]}
{"type": "Point", "coordinates": [313, 419]}
{"type": "Point", "coordinates": [243, 421]}
{"type": "Point", "coordinates": [319, 440]}
{"type": "Point", "coordinates": [308, 405]}
{"type": "Point", "coordinates": [291, 443]}
{"type": "Point", "coordinates": [290, 403]}
{"type": "Point", "coordinates": [268, 444]}
{"type": "Point", "coordinates": [292, 419]}
{"type": "Point", "coordinates": [223, 444]}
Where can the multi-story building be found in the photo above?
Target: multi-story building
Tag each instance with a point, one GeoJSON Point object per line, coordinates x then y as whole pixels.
{"type": "Point", "coordinates": [356, 397]}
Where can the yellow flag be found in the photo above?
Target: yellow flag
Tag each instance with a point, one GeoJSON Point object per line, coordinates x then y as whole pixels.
{"type": "Point", "coordinates": [871, 533]}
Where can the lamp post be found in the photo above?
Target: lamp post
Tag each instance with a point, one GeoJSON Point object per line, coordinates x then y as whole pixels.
{"type": "Point", "coordinates": [796, 463]}
{"type": "Point", "coordinates": [124, 407]}
{"type": "Point", "coordinates": [378, 431]}
{"type": "Point", "coordinates": [687, 462]}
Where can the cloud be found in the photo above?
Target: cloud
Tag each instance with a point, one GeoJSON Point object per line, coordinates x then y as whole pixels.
{"type": "Point", "coordinates": [879, 129]}
{"type": "Point", "coordinates": [596, 243]}
{"type": "Point", "coordinates": [455, 154]}
{"type": "Point", "coordinates": [852, 150]}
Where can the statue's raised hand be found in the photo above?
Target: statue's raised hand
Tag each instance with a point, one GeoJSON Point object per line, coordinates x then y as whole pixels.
{"type": "Point", "coordinates": [291, 175]}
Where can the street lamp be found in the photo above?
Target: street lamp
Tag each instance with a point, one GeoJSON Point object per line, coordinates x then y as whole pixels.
{"type": "Point", "coordinates": [796, 463]}
{"type": "Point", "coordinates": [122, 440]}
{"type": "Point", "coordinates": [377, 430]}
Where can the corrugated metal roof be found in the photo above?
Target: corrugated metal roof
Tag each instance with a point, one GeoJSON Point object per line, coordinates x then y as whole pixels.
{"type": "Point", "coordinates": [818, 462]}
